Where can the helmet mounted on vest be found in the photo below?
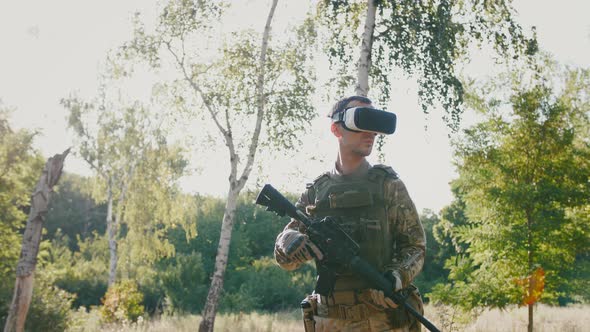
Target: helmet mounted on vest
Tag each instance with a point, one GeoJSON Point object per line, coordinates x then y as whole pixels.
{"type": "Point", "coordinates": [366, 119]}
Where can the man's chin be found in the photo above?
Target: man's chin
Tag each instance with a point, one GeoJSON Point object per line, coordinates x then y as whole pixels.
{"type": "Point", "coordinates": [363, 153]}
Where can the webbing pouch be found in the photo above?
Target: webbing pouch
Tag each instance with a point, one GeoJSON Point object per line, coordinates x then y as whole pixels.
{"type": "Point", "coordinates": [350, 199]}
{"type": "Point", "coordinates": [309, 309]}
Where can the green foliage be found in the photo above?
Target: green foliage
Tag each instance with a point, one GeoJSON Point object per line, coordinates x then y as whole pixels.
{"type": "Point", "coordinates": [523, 185]}
{"type": "Point", "coordinates": [83, 272]}
{"type": "Point", "coordinates": [184, 282]}
{"type": "Point", "coordinates": [221, 85]}
{"type": "Point", "coordinates": [185, 277]}
{"type": "Point", "coordinates": [436, 253]}
{"type": "Point", "coordinates": [423, 38]}
{"type": "Point", "coordinates": [137, 173]}
{"type": "Point", "coordinates": [50, 308]}
{"type": "Point", "coordinates": [154, 205]}
{"type": "Point", "coordinates": [122, 302]}
{"type": "Point", "coordinates": [264, 286]}
{"type": "Point", "coordinates": [20, 168]}
{"type": "Point", "coordinates": [73, 211]}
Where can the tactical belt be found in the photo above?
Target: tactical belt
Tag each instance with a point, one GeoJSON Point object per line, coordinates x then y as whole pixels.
{"type": "Point", "coordinates": [344, 305]}
{"type": "Point", "coordinates": [349, 312]}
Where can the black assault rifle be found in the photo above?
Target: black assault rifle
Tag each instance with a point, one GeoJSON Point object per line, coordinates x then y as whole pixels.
{"type": "Point", "coordinates": [339, 250]}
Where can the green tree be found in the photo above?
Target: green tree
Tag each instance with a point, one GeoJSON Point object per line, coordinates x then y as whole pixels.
{"type": "Point", "coordinates": [155, 204]}
{"type": "Point", "coordinates": [422, 38]}
{"type": "Point", "coordinates": [523, 173]}
{"type": "Point", "coordinates": [137, 169]}
{"type": "Point", "coordinates": [254, 94]}
{"type": "Point", "coordinates": [82, 272]}
{"type": "Point", "coordinates": [186, 280]}
{"type": "Point", "coordinates": [433, 271]}
{"type": "Point", "coordinates": [74, 212]}
{"type": "Point", "coordinates": [112, 138]}
{"type": "Point", "coordinates": [20, 166]}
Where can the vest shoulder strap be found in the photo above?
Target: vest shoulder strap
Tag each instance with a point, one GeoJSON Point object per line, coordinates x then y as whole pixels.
{"type": "Point", "coordinates": [319, 180]}
{"type": "Point", "coordinates": [383, 171]}
{"type": "Point", "coordinates": [313, 186]}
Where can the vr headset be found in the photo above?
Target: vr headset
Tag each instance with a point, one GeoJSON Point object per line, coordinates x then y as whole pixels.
{"type": "Point", "coordinates": [366, 119]}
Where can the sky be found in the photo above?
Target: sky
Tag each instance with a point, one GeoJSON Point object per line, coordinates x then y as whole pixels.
{"type": "Point", "coordinates": [50, 49]}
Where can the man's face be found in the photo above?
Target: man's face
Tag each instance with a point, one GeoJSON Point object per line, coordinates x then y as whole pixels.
{"type": "Point", "coordinates": [356, 143]}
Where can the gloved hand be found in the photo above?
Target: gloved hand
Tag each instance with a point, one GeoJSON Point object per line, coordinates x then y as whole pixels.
{"type": "Point", "coordinates": [377, 297]}
{"type": "Point", "coordinates": [296, 247]}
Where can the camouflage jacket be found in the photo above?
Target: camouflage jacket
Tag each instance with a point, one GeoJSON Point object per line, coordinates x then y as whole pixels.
{"type": "Point", "coordinates": [409, 241]}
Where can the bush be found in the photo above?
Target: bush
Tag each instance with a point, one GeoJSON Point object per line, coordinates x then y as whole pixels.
{"type": "Point", "coordinates": [185, 283]}
{"type": "Point", "coordinates": [265, 286]}
{"type": "Point", "coordinates": [50, 307]}
{"type": "Point", "coordinates": [84, 272]}
{"type": "Point", "coordinates": [122, 303]}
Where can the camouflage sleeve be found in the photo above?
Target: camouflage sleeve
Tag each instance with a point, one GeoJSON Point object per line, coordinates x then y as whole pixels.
{"type": "Point", "coordinates": [409, 240]}
{"type": "Point", "coordinates": [283, 261]}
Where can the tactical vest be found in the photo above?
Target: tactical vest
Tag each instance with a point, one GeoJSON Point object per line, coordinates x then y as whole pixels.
{"type": "Point", "coordinates": [359, 205]}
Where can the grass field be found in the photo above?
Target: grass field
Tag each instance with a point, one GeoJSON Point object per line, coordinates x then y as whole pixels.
{"type": "Point", "coordinates": [547, 319]}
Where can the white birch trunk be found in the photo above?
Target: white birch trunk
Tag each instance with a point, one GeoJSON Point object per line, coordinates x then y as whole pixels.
{"type": "Point", "coordinates": [216, 287]}
{"type": "Point", "coordinates": [23, 290]}
{"type": "Point", "coordinates": [364, 64]}
{"type": "Point", "coordinates": [236, 186]}
{"type": "Point", "coordinates": [115, 222]}
{"type": "Point", "coordinates": [112, 233]}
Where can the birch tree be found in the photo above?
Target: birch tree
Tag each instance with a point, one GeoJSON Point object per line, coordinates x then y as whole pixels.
{"type": "Point", "coordinates": [113, 140]}
{"type": "Point", "coordinates": [254, 92]}
{"type": "Point", "coordinates": [155, 205]}
{"type": "Point", "coordinates": [425, 39]}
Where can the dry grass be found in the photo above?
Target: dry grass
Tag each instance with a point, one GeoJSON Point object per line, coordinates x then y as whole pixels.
{"type": "Point", "coordinates": [547, 319]}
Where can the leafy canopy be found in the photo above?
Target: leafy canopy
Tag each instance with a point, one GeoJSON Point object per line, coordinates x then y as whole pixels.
{"type": "Point", "coordinates": [425, 39]}
{"type": "Point", "coordinates": [523, 173]}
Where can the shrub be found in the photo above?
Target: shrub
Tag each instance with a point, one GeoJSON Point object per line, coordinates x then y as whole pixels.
{"type": "Point", "coordinates": [185, 283]}
{"type": "Point", "coordinates": [122, 302]}
{"type": "Point", "coordinates": [50, 307]}
{"type": "Point", "coordinates": [264, 286]}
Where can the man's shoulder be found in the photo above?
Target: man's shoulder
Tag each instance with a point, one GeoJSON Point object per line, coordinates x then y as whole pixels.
{"type": "Point", "coordinates": [384, 170]}
{"type": "Point", "coordinates": [318, 180]}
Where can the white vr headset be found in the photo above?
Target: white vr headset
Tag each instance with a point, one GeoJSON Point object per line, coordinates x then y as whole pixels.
{"type": "Point", "coordinates": [366, 119]}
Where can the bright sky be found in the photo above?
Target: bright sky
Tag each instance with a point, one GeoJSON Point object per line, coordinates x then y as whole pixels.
{"type": "Point", "coordinates": [52, 48]}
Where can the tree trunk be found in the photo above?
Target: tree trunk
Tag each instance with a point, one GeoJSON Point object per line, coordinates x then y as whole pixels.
{"type": "Point", "coordinates": [364, 65]}
{"type": "Point", "coordinates": [236, 186]}
{"type": "Point", "coordinates": [112, 233]}
{"type": "Point", "coordinates": [216, 287]}
{"type": "Point", "coordinates": [113, 223]}
{"type": "Point", "coordinates": [530, 263]}
{"type": "Point", "coordinates": [530, 326]}
{"type": "Point", "coordinates": [23, 289]}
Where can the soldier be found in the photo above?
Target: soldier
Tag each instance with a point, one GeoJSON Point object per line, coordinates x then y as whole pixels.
{"type": "Point", "coordinates": [373, 206]}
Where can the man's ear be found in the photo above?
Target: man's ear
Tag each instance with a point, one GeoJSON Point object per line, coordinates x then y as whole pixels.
{"type": "Point", "coordinates": [336, 129]}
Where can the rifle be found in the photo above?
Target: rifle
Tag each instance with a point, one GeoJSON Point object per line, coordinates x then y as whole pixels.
{"type": "Point", "coordinates": [339, 250]}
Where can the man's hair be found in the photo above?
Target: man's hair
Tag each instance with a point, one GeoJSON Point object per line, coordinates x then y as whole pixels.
{"type": "Point", "coordinates": [342, 104]}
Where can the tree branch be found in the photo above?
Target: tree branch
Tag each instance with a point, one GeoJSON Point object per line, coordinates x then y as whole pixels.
{"type": "Point", "coordinates": [362, 85]}
{"type": "Point", "coordinates": [261, 98]}
{"type": "Point", "coordinates": [197, 89]}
